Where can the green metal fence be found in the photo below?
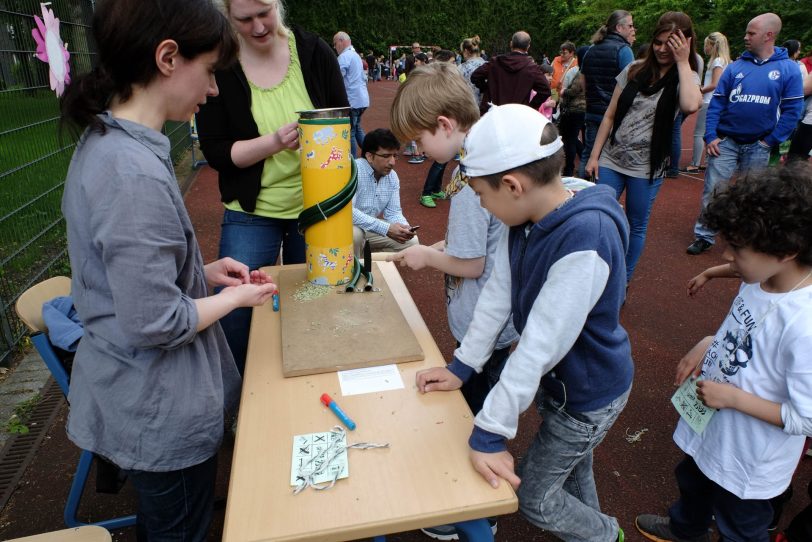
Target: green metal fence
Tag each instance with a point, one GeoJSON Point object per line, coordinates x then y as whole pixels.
{"type": "Point", "coordinates": [34, 157]}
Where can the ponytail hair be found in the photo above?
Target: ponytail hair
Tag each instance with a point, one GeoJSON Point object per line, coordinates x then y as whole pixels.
{"type": "Point", "coordinates": [127, 33]}
{"type": "Point", "coordinates": [719, 47]}
{"type": "Point", "coordinates": [470, 45]}
{"type": "Point", "coordinates": [615, 18]}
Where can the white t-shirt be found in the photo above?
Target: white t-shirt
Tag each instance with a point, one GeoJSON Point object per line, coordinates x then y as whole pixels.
{"type": "Point", "coordinates": [751, 458]}
{"type": "Point", "coordinates": [717, 63]}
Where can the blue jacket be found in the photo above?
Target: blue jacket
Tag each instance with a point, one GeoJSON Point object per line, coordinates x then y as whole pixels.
{"type": "Point", "coordinates": [601, 64]}
{"type": "Point", "coordinates": [756, 100]}
{"type": "Point", "coordinates": [564, 284]}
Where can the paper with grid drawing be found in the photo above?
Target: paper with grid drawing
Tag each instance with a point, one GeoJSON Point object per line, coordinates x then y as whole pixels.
{"type": "Point", "coordinates": [309, 446]}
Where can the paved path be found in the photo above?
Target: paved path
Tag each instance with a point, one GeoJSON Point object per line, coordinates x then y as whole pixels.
{"type": "Point", "coordinates": [24, 383]}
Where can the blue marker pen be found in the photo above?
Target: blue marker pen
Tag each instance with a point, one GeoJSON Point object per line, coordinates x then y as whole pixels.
{"type": "Point", "coordinates": [328, 402]}
{"type": "Point", "coordinates": [276, 301]}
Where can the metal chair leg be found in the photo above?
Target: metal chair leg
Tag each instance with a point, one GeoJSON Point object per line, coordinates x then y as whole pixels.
{"type": "Point", "coordinates": [75, 495]}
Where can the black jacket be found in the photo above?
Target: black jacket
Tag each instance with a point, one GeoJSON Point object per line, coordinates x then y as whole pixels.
{"type": "Point", "coordinates": [600, 66]}
{"type": "Point", "coordinates": [226, 118]}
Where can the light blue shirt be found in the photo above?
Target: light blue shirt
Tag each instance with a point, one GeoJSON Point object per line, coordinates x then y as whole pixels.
{"type": "Point", "coordinates": [355, 78]}
{"type": "Point", "coordinates": [376, 198]}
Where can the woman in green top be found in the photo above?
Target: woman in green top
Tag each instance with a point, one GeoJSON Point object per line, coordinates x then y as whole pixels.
{"type": "Point", "coordinates": [249, 135]}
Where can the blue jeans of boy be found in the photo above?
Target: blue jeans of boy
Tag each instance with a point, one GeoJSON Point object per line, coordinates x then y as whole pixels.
{"type": "Point", "coordinates": [256, 242]}
{"type": "Point", "coordinates": [732, 157]}
{"type": "Point", "coordinates": [640, 196]}
{"type": "Point", "coordinates": [558, 491]}
{"type": "Point", "coordinates": [356, 131]}
{"type": "Point", "coordinates": [737, 520]}
{"type": "Point", "coordinates": [175, 506]}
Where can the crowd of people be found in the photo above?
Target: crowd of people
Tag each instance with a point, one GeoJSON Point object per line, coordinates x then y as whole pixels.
{"type": "Point", "coordinates": [537, 262]}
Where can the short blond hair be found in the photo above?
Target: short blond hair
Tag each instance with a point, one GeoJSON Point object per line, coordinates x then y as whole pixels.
{"type": "Point", "coordinates": [429, 92]}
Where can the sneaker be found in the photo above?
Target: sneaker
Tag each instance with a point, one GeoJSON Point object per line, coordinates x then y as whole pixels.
{"type": "Point", "coordinates": [427, 201]}
{"type": "Point", "coordinates": [658, 528]}
{"type": "Point", "coordinates": [438, 195]}
{"type": "Point", "coordinates": [672, 173]}
{"type": "Point", "coordinates": [449, 532]}
{"type": "Point", "coordinates": [417, 159]}
{"type": "Point", "coordinates": [698, 247]}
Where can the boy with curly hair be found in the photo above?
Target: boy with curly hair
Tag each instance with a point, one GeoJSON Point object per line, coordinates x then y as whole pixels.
{"type": "Point", "coordinates": [755, 370]}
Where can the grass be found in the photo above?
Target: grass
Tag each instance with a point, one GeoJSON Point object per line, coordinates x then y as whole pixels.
{"type": "Point", "coordinates": [34, 161]}
{"type": "Point", "coordinates": [16, 424]}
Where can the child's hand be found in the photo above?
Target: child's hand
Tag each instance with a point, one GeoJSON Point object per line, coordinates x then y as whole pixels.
{"type": "Point", "coordinates": [494, 466]}
{"type": "Point", "coordinates": [689, 365]}
{"type": "Point", "coordinates": [415, 257]}
{"type": "Point", "coordinates": [696, 283]}
{"type": "Point", "coordinates": [717, 394]}
{"type": "Point", "coordinates": [437, 379]}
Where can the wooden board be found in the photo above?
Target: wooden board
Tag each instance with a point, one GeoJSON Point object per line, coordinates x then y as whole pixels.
{"type": "Point", "coordinates": [342, 331]}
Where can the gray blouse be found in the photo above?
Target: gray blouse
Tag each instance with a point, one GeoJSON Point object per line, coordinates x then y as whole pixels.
{"type": "Point", "coordinates": [147, 391]}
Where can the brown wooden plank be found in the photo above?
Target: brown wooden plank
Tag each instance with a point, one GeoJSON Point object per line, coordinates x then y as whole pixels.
{"type": "Point", "coordinates": [342, 331]}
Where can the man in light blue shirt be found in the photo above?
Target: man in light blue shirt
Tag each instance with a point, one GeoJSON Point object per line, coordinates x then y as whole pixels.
{"type": "Point", "coordinates": [376, 213]}
{"type": "Point", "coordinates": [355, 81]}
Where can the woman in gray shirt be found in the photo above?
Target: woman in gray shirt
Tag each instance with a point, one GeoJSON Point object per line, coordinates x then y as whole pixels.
{"type": "Point", "coordinates": [153, 375]}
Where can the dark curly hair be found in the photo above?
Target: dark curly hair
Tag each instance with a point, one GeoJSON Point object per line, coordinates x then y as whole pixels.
{"type": "Point", "coordinates": [768, 210]}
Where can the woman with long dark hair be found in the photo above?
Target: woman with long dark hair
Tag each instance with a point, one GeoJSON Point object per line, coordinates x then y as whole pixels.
{"type": "Point", "coordinates": [633, 145]}
{"type": "Point", "coordinates": [153, 375]}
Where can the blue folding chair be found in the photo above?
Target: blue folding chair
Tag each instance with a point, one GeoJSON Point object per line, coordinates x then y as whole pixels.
{"type": "Point", "coordinates": [29, 309]}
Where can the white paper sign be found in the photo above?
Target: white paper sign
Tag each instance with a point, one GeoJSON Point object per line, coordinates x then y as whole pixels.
{"type": "Point", "coordinates": [690, 408]}
{"type": "Point", "coordinates": [370, 380]}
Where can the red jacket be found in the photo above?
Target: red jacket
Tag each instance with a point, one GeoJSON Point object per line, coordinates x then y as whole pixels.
{"type": "Point", "coordinates": [508, 79]}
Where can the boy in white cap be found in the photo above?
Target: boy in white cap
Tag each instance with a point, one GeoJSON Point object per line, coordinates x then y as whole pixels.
{"type": "Point", "coordinates": [559, 272]}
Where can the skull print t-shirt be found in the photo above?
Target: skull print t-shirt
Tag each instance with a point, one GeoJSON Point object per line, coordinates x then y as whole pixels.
{"type": "Point", "coordinates": [763, 347]}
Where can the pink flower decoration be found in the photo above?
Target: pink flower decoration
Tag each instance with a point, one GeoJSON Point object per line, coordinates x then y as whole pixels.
{"type": "Point", "coordinates": [50, 49]}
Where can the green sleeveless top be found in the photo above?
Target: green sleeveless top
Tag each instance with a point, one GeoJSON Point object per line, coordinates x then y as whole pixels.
{"type": "Point", "coordinates": [281, 192]}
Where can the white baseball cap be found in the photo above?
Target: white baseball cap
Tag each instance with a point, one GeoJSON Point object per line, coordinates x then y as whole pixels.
{"type": "Point", "coordinates": [508, 136]}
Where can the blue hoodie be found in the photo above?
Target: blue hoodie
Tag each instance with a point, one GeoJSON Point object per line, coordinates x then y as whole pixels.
{"type": "Point", "coordinates": [563, 280]}
{"type": "Point", "coordinates": [756, 100]}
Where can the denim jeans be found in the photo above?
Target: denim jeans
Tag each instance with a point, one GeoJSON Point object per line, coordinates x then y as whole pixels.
{"type": "Point", "coordinates": [558, 491]}
{"type": "Point", "coordinates": [434, 179]}
{"type": "Point", "coordinates": [175, 506]}
{"type": "Point", "coordinates": [255, 241]}
{"type": "Point", "coordinates": [701, 499]}
{"type": "Point", "coordinates": [477, 388]}
{"type": "Point", "coordinates": [570, 126]}
{"type": "Point", "coordinates": [640, 196]}
{"type": "Point", "coordinates": [590, 132]}
{"type": "Point", "coordinates": [699, 135]}
{"type": "Point", "coordinates": [732, 157]}
{"type": "Point", "coordinates": [676, 143]}
{"type": "Point", "coordinates": [356, 131]}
